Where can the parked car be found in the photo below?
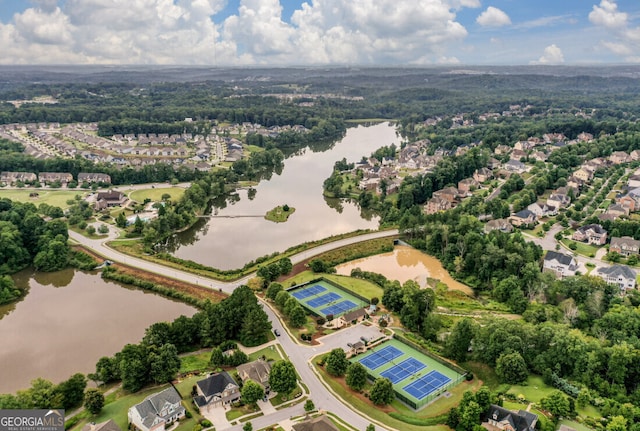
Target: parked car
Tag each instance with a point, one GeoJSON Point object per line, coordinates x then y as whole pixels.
{"type": "Point", "coordinates": [275, 331]}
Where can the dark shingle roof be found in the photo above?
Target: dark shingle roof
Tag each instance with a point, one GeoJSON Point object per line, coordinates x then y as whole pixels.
{"type": "Point", "coordinates": [560, 257]}
{"type": "Point", "coordinates": [519, 421]}
{"type": "Point", "coordinates": [321, 423]}
{"type": "Point", "coordinates": [215, 383]}
{"type": "Point", "coordinates": [109, 425]}
{"type": "Point", "coordinates": [618, 270]}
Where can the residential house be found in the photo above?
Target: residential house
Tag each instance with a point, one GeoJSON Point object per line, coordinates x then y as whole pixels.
{"type": "Point", "coordinates": [538, 156]}
{"type": "Point", "coordinates": [517, 155]}
{"type": "Point", "coordinates": [593, 234]}
{"type": "Point", "coordinates": [584, 174]}
{"type": "Point", "coordinates": [437, 204]}
{"type": "Point", "coordinates": [575, 182]}
{"type": "Point", "coordinates": [585, 137]}
{"type": "Point", "coordinates": [626, 246]}
{"type": "Point", "coordinates": [109, 199]}
{"type": "Point", "coordinates": [634, 155]}
{"type": "Point", "coordinates": [523, 146]}
{"type": "Point", "coordinates": [502, 149]}
{"type": "Point", "coordinates": [493, 163]}
{"type": "Point", "coordinates": [320, 423]}
{"type": "Point", "coordinates": [157, 411]}
{"type": "Point", "coordinates": [562, 265]}
{"type": "Point", "coordinates": [91, 177]}
{"type": "Point", "coordinates": [465, 186]}
{"type": "Point", "coordinates": [618, 157]}
{"type": "Point", "coordinates": [558, 200]}
{"type": "Point", "coordinates": [448, 193]}
{"type": "Point", "coordinates": [52, 177]}
{"type": "Point", "coordinates": [14, 177]}
{"type": "Point", "coordinates": [618, 210]}
{"type": "Point", "coordinates": [515, 166]}
{"type": "Point", "coordinates": [634, 181]}
{"type": "Point", "coordinates": [524, 217]}
{"type": "Point", "coordinates": [508, 420]}
{"type": "Point", "coordinates": [109, 425]}
{"type": "Point", "coordinates": [619, 275]}
{"type": "Point", "coordinates": [258, 371]}
{"type": "Point", "coordinates": [217, 389]}
{"type": "Point", "coordinates": [500, 224]}
{"type": "Point", "coordinates": [483, 174]}
{"type": "Point", "coordinates": [542, 209]}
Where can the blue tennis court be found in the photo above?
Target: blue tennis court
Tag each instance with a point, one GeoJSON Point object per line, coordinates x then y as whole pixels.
{"type": "Point", "coordinates": [380, 357]}
{"type": "Point", "coordinates": [340, 307]}
{"type": "Point", "coordinates": [399, 372]}
{"type": "Point", "coordinates": [324, 299]}
{"type": "Point", "coordinates": [309, 291]}
{"type": "Point", "coordinates": [427, 384]}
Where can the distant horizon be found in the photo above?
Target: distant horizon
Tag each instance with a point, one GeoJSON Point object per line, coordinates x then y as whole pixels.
{"type": "Point", "coordinates": [320, 33]}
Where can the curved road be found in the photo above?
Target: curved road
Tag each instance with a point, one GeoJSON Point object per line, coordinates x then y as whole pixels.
{"type": "Point", "coordinates": [299, 355]}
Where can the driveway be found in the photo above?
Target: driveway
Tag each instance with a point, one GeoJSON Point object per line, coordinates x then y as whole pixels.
{"type": "Point", "coordinates": [217, 416]}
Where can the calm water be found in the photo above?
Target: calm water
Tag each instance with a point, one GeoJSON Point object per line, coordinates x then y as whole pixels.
{"type": "Point", "coordinates": [405, 263]}
{"type": "Point", "coordinates": [228, 243]}
{"type": "Point", "coordinates": [68, 320]}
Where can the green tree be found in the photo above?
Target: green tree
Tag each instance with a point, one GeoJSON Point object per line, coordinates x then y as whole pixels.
{"type": "Point", "coordinates": [217, 358]}
{"type": "Point", "coordinates": [282, 378]}
{"type": "Point", "coordinates": [252, 392]}
{"type": "Point", "coordinates": [281, 298]}
{"type": "Point", "coordinates": [371, 427]}
{"type": "Point", "coordinates": [121, 221]}
{"type": "Point", "coordinates": [93, 400]}
{"type": "Point", "coordinates": [557, 404]}
{"type": "Point", "coordinates": [72, 390]}
{"type": "Point", "coordinates": [459, 341]}
{"type": "Point", "coordinates": [165, 364]}
{"type": "Point", "coordinates": [254, 327]}
{"type": "Point", "coordinates": [356, 376]}
{"type": "Point", "coordinates": [273, 290]}
{"type": "Point", "coordinates": [381, 392]}
{"type": "Point", "coordinates": [511, 368]}
{"type": "Point", "coordinates": [337, 363]}
{"type": "Point", "coordinates": [297, 316]}
{"type": "Point", "coordinates": [617, 423]}
{"type": "Point", "coordinates": [309, 406]}
{"type": "Point", "coordinates": [247, 426]}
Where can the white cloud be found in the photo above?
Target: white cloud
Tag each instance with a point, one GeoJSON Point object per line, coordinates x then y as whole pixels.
{"type": "Point", "coordinates": [607, 15]}
{"type": "Point", "coordinates": [552, 55]}
{"type": "Point", "coordinates": [617, 48]}
{"type": "Point", "coordinates": [184, 32]}
{"type": "Point", "coordinates": [493, 17]}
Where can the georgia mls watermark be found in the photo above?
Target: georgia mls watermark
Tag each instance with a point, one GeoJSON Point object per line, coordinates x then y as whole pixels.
{"type": "Point", "coordinates": [31, 420]}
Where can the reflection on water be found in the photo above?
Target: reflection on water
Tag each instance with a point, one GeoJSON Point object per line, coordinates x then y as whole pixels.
{"type": "Point", "coordinates": [68, 320]}
{"type": "Point", "coordinates": [405, 263]}
{"type": "Point", "coordinates": [228, 243]}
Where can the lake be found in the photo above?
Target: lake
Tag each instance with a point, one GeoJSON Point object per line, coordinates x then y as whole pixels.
{"type": "Point", "coordinates": [405, 263]}
{"type": "Point", "coordinates": [228, 243]}
{"type": "Point", "coordinates": [68, 320]}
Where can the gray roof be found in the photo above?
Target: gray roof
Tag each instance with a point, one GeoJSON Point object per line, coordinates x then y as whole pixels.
{"type": "Point", "coordinates": [321, 423]}
{"type": "Point", "coordinates": [215, 383]}
{"type": "Point", "coordinates": [151, 407]}
{"type": "Point", "coordinates": [524, 214]}
{"type": "Point", "coordinates": [626, 241]}
{"type": "Point", "coordinates": [519, 421]}
{"type": "Point", "coordinates": [109, 425]}
{"type": "Point", "coordinates": [594, 227]}
{"type": "Point", "coordinates": [258, 371]}
{"type": "Point", "coordinates": [560, 257]}
{"type": "Point", "coordinates": [617, 271]}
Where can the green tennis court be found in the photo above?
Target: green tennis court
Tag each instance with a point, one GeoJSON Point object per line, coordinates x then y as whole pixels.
{"type": "Point", "coordinates": [324, 298]}
{"type": "Point", "coordinates": [417, 378]}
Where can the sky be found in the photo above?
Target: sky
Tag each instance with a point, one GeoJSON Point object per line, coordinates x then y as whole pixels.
{"type": "Point", "coordinates": [320, 32]}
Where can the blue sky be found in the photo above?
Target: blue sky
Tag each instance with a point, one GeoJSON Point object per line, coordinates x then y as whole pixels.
{"type": "Point", "coordinates": [318, 32]}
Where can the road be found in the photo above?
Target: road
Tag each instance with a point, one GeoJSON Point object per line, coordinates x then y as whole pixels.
{"type": "Point", "coordinates": [299, 355]}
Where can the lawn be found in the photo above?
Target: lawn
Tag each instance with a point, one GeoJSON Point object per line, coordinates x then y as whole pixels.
{"type": "Point", "coordinates": [581, 248]}
{"type": "Point", "coordinates": [195, 362]}
{"type": "Point", "coordinates": [271, 353]}
{"type": "Point", "coordinates": [155, 194]}
{"type": "Point", "coordinates": [279, 215]}
{"type": "Point", "coordinates": [575, 425]}
{"type": "Point", "coordinates": [53, 197]}
{"type": "Point", "coordinates": [362, 287]}
{"type": "Point", "coordinates": [534, 389]}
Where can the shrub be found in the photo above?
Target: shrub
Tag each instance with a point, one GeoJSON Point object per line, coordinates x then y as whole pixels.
{"type": "Point", "coordinates": [206, 423]}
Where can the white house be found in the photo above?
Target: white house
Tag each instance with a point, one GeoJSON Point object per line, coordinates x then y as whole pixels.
{"type": "Point", "coordinates": [157, 411]}
{"type": "Point", "coordinates": [562, 265]}
{"type": "Point", "coordinates": [620, 275]}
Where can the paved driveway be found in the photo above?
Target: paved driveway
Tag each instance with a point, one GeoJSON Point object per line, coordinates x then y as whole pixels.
{"type": "Point", "coordinates": [217, 416]}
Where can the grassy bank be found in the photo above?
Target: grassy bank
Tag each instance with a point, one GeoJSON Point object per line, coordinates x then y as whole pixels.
{"type": "Point", "coordinates": [280, 214]}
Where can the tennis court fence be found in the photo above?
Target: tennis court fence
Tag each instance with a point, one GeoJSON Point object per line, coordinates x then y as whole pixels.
{"type": "Point", "coordinates": [431, 355]}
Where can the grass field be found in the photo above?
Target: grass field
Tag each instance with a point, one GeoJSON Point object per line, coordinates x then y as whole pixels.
{"type": "Point", "coordinates": [56, 198]}
{"type": "Point", "coordinates": [329, 288]}
{"type": "Point", "coordinates": [407, 353]}
{"type": "Point", "coordinates": [195, 362]}
{"type": "Point", "coordinates": [534, 389]}
{"type": "Point", "coordinates": [156, 194]}
{"type": "Point", "coordinates": [581, 248]}
{"type": "Point", "coordinates": [279, 215]}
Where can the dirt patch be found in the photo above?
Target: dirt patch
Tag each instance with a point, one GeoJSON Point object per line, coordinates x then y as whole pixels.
{"type": "Point", "coordinates": [297, 269]}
